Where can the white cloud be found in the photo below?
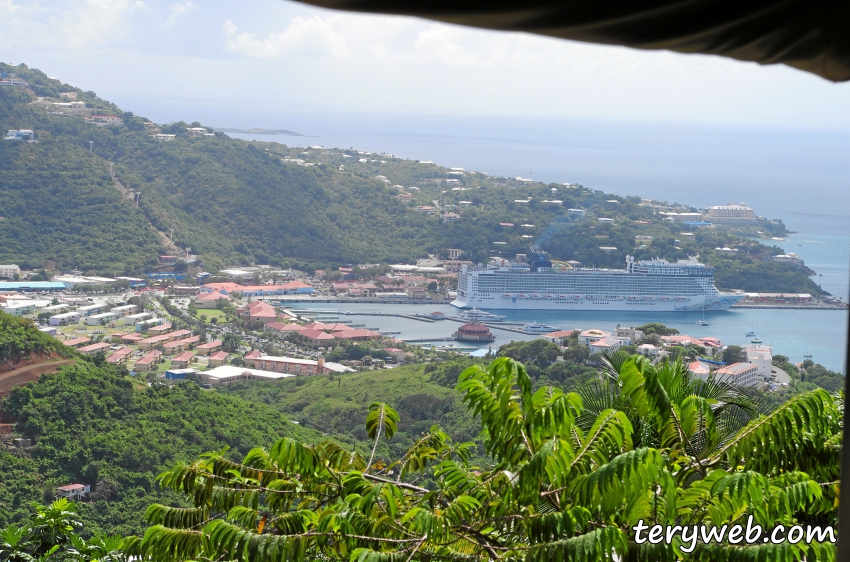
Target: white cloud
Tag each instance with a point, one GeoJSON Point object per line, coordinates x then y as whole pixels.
{"type": "Point", "coordinates": [442, 44]}
{"type": "Point", "coordinates": [177, 10]}
{"type": "Point", "coordinates": [98, 21]}
{"type": "Point", "coordinates": [313, 36]}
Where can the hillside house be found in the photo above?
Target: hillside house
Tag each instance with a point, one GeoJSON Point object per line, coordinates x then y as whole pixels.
{"type": "Point", "coordinates": [73, 492]}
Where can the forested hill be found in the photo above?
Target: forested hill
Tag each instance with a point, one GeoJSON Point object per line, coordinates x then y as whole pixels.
{"type": "Point", "coordinates": [238, 202]}
{"type": "Point", "coordinates": [91, 423]}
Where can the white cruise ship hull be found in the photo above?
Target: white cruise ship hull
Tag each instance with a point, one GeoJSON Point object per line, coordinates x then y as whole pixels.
{"type": "Point", "coordinates": [721, 302]}
{"type": "Point", "coordinates": [646, 286]}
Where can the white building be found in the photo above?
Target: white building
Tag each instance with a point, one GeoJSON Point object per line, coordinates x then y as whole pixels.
{"type": "Point", "coordinates": [84, 311]}
{"type": "Point", "coordinates": [133, 319]}
{"type": "Point", "coordinates": [742, 374]}
{"type": "Point", "coordinates": [762, 357]}
{"type": "Point", "coordinates": [731, 214]}
{"type": "Point", "coordinates": [647, 350]}
{"type": "Point", "coordinates": [629, 333]}
{"type": "Point", "coordinates": [604, 345]}
{"type": "Point", "coordinates": [9, 271]}
{"type": "Point", "coordinates": [588, 336]}
{"type": "Point", "coordinates": [65, 318]}
{"type": "Point", "coordinates": [101, 319]}
{"type": "Point", "coordinates": [124, 310]}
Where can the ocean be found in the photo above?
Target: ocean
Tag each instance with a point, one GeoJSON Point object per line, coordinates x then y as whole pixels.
{"type": "Point", "coordinates": [800, 176]}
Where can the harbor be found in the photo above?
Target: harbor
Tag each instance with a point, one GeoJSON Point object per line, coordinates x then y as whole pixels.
{"type": "Point", "coordinates": [784, 329]}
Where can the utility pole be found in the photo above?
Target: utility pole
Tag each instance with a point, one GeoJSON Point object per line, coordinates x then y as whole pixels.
{"type": "Point", "coordinates": [111, 170]}
{"type": "Point", "coordinates": [172, 234]}
{"type": "Point", "coordinates": [91, 145]}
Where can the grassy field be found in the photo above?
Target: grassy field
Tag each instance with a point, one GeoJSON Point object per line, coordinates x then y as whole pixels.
{"type": "Point", "coordinates": [210, 313]}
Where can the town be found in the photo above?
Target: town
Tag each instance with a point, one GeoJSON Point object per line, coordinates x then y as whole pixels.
{"type": "Point", "coordinates": [244, 323]}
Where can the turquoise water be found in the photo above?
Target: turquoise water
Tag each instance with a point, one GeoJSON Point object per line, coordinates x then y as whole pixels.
{"type": "Point", "coordinates": [791, 332]}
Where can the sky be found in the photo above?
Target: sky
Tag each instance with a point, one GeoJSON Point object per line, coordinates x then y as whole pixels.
{"type": "Point", "coordinates": [283, 55]}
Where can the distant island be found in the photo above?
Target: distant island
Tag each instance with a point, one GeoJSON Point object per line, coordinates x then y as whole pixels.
{"type": "Point", "coordinates": [260, 131]}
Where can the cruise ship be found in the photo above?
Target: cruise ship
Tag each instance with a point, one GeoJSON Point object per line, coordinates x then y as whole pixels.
{"type": "Point", "coordinates": [538, 284]}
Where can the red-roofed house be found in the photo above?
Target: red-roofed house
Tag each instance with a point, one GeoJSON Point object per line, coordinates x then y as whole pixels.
{"type": "Point", "coordinates": [76, 342]}
{"type": "Point", "coordinates": [183, 360]}
{"type": "Point", "coordinates": [291, 288]}
{"type": "Point", "coordinates": [699, 370]}
{"type": "Point", "coordinates": [120, 356]}
{"type": "Point", "coordinates": [258, 310]}
{"type": "Point", "coordinates": [556, 337]}
{"type": "Point", "coordinates": [251, 357]}
{"type": "Point", "coordinates": [594, 334]}
{"type": "Point", "coordinates": [94, 348]}
{"type": "Point", "coordinates": [132, 338]}
{"type": "Point", "coordinates": [217, 359]}
{"type": "Point", "coordinates": [208, 300]}
{"type": "Point", "coordinates": [148, 362]}
{"type": "Point", "coordinates": [316, 335]}
{"type": "Point", "coordinates": [154, 341]}
{"type": "Point", "coordinates": [437, 315]}
{"type": "Point", "coordinates": [180, 345]}
{"type": "Point", "coordinates": [398, 354]}
{"type": "Point", "coordinates": [73, 491]}
{"type": "Point", "coordinates": [207, 348]}
{"type": "Point", "coordinates": [281, 327]}
{"type": "Point", "coordinates": [159, 330]}
{"type": "Point", "coordinates": [357, 335]}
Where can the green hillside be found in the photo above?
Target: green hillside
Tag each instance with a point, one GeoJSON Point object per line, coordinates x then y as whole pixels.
{"type": "Point", "coordinates": [237, 202]}
{"type": "Point", "coordinates": [94, 424]}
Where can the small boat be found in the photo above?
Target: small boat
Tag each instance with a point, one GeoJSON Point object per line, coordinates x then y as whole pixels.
{"type": "Point", "coordinates": [476, 315]}
{"type": "Point", "coordinates": [702, 323]}
{"type": "Point", "coordinates": [756, 340]}
{"type": "Point", "coordinates": [807, 354]}
{"type": "Point", "coordinates": [535, 328]}
{"type": "Point", "coordinates": [752, 332]}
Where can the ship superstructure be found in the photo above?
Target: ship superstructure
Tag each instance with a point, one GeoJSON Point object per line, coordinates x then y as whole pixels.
{"type": "Point", "coordinates": [650, 285]}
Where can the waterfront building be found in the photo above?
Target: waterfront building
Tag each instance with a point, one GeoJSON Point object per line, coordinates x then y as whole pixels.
{"type": "Point", "coordinates": [742, 374]}
{"type": "Point", "coordinates": [10, 271]}
{"type": "Point", "coordinates": [762, 357]}
{"type": "Point", "coordinates": [474, 332]}
{"type": "Point", "coordinates": [731, 214]}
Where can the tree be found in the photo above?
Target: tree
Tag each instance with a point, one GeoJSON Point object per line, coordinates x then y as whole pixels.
{"type": "Point", "coordinates": [54, 533]}
{"type": "Point", "coordinates": [570, 476]}
{"type": "Point", "coordinates": [733, 354]}
{"type": "Point", "coordinates": [230, 343]}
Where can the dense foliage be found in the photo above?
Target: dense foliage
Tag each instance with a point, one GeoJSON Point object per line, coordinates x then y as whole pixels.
{"type": "Point", "coordinates": [54, 533]}
{"type": "Point", "coordinates": [20, 339]}
{"type": "Point", "coordinates": [570, 476]}
{"type": "Point", "coordinates": [97, 426]}
{"type": "Point", "coordinates": [233, 201]}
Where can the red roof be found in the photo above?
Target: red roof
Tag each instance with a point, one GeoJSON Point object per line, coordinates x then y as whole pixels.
{"type": "Point", "coordinates": [218, 356]}
{"type": "Point", "coordinates": [214, 296]}
{"type": "Point", "coordinates": [284, 327]}
{"type": "Point", "coordinates": [210, 345]}
{"type": "Point", "coordinates": [253, 354]}
{"type": "Point", "coordinates": [185, 356]}
{"type": "Point", "coordinates": [75, 341]}
{"type": "Point", "coordinates": [71, 487]}
{"type": "Point", "coordinates": [352, 334]}
{"type": "Point", "coordinates": [474, 328]}
{"type": "Point", "coordinates": [120, 354]}
{"type": "Point", "coordinates": [94, 347]}
{"type": "Point", "coordinates": [132, 337]}
{"type": "Point", "coordinates": [316, 335]}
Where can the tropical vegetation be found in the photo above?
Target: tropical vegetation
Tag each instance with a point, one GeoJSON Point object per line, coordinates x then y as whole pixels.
{"type": "Point", "coordinates": [569, 476]}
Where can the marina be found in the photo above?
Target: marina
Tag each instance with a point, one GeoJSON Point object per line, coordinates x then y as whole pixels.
{"type": "Point", "coordinates": [785, 330]}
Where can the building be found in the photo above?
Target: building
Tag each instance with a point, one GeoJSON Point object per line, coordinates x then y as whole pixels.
{"type": "Point", "coordinates": [588, 336]}
{"type": "Point", "coordinates": [124, 310]}
{"type": "Point", "coordinates": [628, 333]}
{"type": "Point", "coordinates": [210, 347]}
{"type": "Point", "coordinates": [65, 318]}
{"type": "Point", "coordinates": [449, 217]}
{"type": "Point", "coordinates": [74, 342]}
{"type": "Point", "coordinates": [209, 300]}
{"type": "Point", "coordinates": [73, 492]}
{"type": "Point", "coordinates": [731, 214]}
{"type": "Point", "coordinates": [742, 374]}
{"type": "Point", "coordinates": [291, 365]}
{"type": "Point", "coordinates": [94, 348]}
{"type": "Point", "coordinates": [217, 359]}
{"type": "Point", "coordinates": [699, 370]}
{"type": "Point", "coordinates": [160, 330]}
{"type": "Point", "coordinates": [133, 338]}
{"type": "Point", "coordinates": [682, 217]}
{"type": "Point", "coordinates": [179, 374]}
{"type": "Point", "coordinates": [84, 311]}
{"type": "Point", "coordinates": [474, 332]}
{"type": "Point", "coordinates": [101, 319]}
{"type": "Point", "coordinates": [454, 253]}
{"type": "Point", "coordinates": [145, 325]}
{"type": "Point", "coordinates": [647, 350]}
{"type": "Point", "coordinates": [148, 362]}
{"type": "Point", "coordinates": [104, 120]}
{"type": "Point", "coordinates": [10, 271]}
{"type": "Point", "coordinates": [180, 345]}
{"type": "Point", "coordinates": [437, 315]}
{"type": "Point", "coordinates": [762, 357]}
{"type": "Point", "coordinates": [164, 137]}
{"type": "Point", "coordinates": [120, 356]}
{"type": "Point", "coordinates": [19, 308]}
{"type": "Point", "coordinates": [791, 259]}
{"type": "Point", "coordinates": [183, 360]}
{"type": "Point", "coordinates": [252, 356]}
{"type": "Point", "coordinates": [25, 135]}
{"type": "Point", "coordinates": [68, 95]}
{"type": "Point", "coordinates": [606, 345]}
{"type": "Point", "coordinates": [577, 213]}
{"type": "Point", "coordinates": [291, 288]}
{"type": "Point", "coordinates": [196, 131]}
{"type": "Point", "coordinates": [398, 354]}
{"type": "Point", "coordinates": [257, 311]}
